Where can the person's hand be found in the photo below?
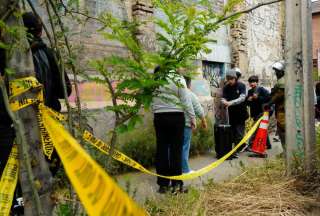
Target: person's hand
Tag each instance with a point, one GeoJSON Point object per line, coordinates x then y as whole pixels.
{"type": "Point", "coordinates": [266, 108]}
{"type": "Point", "coordinates": [204, 123]}
{"type": "Point", "coordinates": [254, 96]}
{"type": "Point", "coordinates": [193, 124]}
{"type": "Point", "coordinates": [226, 103]}
{"type": "Point", "coordinates": [250, 98]}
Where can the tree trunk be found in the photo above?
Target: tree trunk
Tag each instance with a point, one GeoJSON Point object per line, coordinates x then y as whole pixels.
{"type": "Point", "coordinates": [20, 61]}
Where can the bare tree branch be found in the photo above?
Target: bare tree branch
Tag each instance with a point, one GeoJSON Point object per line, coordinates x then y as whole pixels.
{"type": "Point", "coordinates": [71, 11]}
{"type": "Point", "coordinates": [73, 68]}
{"type": "Point", "coordinates": [247, 10]}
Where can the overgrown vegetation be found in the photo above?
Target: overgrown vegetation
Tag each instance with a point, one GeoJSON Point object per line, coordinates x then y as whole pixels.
{"type": "Point", "coordinates": [140, 144]}
{"type": "Point", "coordinates": [264, 190]}
{"type": "Point", "coordinates": [182, 36]}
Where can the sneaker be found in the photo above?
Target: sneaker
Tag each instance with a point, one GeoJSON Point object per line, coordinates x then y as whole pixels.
{"type": "Point", "coordinates": [276, 139]}
{"type": "Point", "coordinates": [179, 189]}
{"type": "Point", "coordinates": [190, 171]}
{"type": "Point", "coordinates": [163, 189]}
{"type": "Point", "coordinates": [245, 148]}
{"type": "Point", "coordinates": [18, 208]}
{"type": "Point", "coordinates": [235, 156]}
{"type": "Point", "coordinates": [259, 155]}
{"type": "Point", "coordinates": [230, 158]}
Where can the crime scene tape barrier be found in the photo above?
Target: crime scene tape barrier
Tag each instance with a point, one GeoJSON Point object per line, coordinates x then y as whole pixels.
{"type": "Point", "coordinates": [97, 191]}
{"type": "Point", "coordinates": [99, 194]}
{"type": "Point", "coordinates": [22, 85]}
{"type": "Point", "coordinates": [119, 156]}
{"type": "Point", "coordinates": [8, 182]}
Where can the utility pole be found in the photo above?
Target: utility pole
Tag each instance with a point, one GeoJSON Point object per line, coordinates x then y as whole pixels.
{"type": "Point", "coordinates": [308, 82]}
{"type": "Point", "coordinates": [299, 94]}
{"type": "Point", "coordinates": [35, 177]}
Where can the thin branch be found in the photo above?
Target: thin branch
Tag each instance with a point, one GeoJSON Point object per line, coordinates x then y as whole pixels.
{"type": "Point", "coordinates": [247, 10]}
{"type": "Point", "coordinates": [78, 103]}
{"type": "Point", "coordinates": [9, 11]}
{"type": "Point", "coordinates": [71, 11]}
{"type": "Point", "coordinates": [62, 70]}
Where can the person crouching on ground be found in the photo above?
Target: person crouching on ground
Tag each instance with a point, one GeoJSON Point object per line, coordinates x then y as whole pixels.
{"type": "Point", "coordinates": [256, 98]}
{"type": "Point", "coordinates": [169, 106]}
{"type": "Point", "coordinates": [188, 129]}
{"type": "Point", "coordinates": [233, 98]}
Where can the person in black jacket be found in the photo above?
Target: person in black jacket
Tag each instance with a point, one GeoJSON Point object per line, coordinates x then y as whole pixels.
{"type": "Point", "coordinates": [256, 98]}
{"type": "Point", "coordinates": [234, 96]}
{"type": "Point", "coordinates": [46, 71]}
{"type": "Point", "coordinates": [46, 67]}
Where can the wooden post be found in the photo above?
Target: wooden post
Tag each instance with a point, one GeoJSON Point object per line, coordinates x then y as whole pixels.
{"type": "Point", "coordinates": [308, 96]}
{"type": "Point", "coordinates": [295, 138]}
{"type": "Point", "coordinates": [35, 177]}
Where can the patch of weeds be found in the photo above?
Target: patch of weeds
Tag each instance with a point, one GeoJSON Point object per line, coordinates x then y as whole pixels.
{"type": "Point", "coordinates": [64, 209]}
{"type": "Point", "coordinates": [182, 204]}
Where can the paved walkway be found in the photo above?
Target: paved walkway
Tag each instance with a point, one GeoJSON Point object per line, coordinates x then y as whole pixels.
{"type": "Point", "coordinates": [142, 186]}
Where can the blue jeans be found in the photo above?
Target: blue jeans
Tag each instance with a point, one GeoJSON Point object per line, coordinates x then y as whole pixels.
{"type": "Point", "coordinates": [186, 148]}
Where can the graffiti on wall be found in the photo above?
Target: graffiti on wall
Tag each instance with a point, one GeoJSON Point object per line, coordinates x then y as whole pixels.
{"type": "Point", "coordinates": [213, 72]}
{"type": "Point", "coordinates": [92, 95]}
{"type": "Point", "coordinates": [264, 39]}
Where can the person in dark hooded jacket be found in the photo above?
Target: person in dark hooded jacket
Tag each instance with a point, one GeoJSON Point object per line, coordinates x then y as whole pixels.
{"type": "Point", "coordinates": [46, 67]}
{"type": "Point", "coordinates": [46, 71]}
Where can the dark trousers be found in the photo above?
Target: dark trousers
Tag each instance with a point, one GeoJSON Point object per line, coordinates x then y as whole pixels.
{"type": "Point", "coordinates": [169, 129]}
{"type": "Point", "coordinates": [238, 130]}
{"type": "Point", "coordinates": [6, 144]}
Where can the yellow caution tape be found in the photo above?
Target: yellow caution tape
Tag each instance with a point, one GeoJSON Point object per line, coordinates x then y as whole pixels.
{"type": "Point", "coordinates": [8, 182]}
{"type": "Point", "coordinates": [22, 103]}
{"type": "Point", "coordinates": [117, 155]}
{"type": "Point", "coordinates": [58, 116]}
{"type": "Point", "coordinates": [98, 193]}
{"type": "Point", "coordinates": [22, 85]}
{"type": "Point", "coordinates": [46, 139]}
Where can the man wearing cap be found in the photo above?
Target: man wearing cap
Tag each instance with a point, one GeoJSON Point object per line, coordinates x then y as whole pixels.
{"type": "Point", "coordinates": [233, 98]}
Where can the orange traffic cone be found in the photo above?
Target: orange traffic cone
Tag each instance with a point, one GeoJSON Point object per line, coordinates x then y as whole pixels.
{"type": "Point", "coordinates": [260, 141]}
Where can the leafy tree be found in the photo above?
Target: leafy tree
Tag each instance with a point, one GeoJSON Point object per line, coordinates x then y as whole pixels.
{"type": "Point", "coordinates": [183, 36]}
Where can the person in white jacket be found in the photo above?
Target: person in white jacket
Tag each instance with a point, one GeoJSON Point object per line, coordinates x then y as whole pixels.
{"type": "Point", "coordinates": [169, 106]}
{"type": "Point", "coordinates": [195, 103]}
